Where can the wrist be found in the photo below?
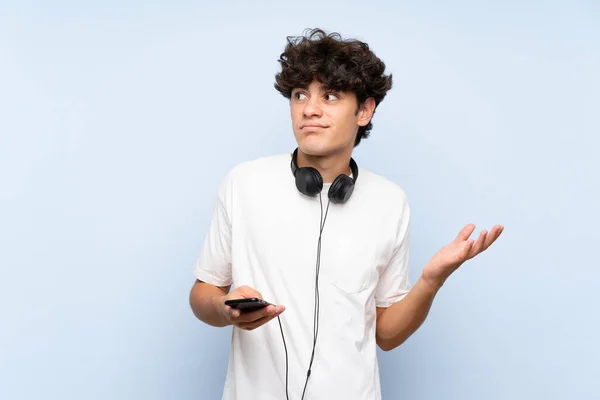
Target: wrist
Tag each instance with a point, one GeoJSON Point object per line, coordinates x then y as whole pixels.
{"type": "Point", "coordinates": [431, 284]}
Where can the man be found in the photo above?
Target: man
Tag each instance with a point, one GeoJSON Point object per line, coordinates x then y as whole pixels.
{"type": "Point", "coordinates": [319, 238]}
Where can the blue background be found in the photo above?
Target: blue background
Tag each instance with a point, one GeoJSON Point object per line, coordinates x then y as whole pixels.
{"type": "Point", "coordinates": [118, 120]}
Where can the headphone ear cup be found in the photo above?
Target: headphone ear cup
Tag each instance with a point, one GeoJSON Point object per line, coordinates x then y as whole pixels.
{"type": "Point", "coordinates": [309, 181]}
{"type": "Point", "coordinates": [341, 189]}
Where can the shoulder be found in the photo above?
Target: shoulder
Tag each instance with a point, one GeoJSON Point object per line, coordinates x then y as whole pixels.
{"type": "Point", "coordinates": [382, 187]}
{"type": "Point", "coordinates": [254, 171]}
{"type": "Point", "coordinates": [266, 164]}
{"type": "Point", "coordinates": [259, 168]}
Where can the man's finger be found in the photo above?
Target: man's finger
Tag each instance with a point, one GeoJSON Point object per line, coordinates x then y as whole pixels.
{"type": "Point", "coordinates": [255, 315]}
{"type": "Point", "coordinates": [492, 236]}
{"type": "Point", "coordinates": [465, 232]}
{"type": "Point", "coordinates": [233, 313]}
{"type": "Point", "coordinates": [466, 251]}
{"type": "Point", "coordinates": [478, 246]}
{"type": "Point", "coordinates": [255, 324]}
{"type": "Point", "coordinates": [261, 321]}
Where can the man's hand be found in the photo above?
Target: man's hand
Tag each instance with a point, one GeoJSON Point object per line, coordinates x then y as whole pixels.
{"type": "Point", "coordinates": [248, 320]}
{"type": "Point", "coordinates": [450, 257]}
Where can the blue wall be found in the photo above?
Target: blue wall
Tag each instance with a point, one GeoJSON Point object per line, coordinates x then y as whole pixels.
{"type": "Point", "coordinates": [118, 121]}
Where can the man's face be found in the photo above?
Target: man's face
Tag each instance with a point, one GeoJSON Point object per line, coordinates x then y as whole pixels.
{"type": "Point", "coordinates": [325, 122]}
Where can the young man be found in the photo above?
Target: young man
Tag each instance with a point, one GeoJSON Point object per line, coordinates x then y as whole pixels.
{"type": "Point", "coordinates": [319, 238]}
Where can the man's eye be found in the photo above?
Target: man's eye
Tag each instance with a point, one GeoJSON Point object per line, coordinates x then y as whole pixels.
{"type": "Point", "coordinates": [300, 96]}
{"type": "Point", "coordinates": [331, 96]}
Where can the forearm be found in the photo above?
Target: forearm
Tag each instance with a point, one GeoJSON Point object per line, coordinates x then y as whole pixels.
{"type": "Point", "coordinates": [206, 302]}
{"type": "Point", "coordinates": [399, 321]}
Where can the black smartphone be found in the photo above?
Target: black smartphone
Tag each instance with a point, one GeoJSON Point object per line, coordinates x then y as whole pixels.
{"type": "Point", "coordinates": [247, 305]}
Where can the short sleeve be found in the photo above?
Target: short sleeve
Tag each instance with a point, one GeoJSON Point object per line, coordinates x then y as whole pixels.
{"type": "Point", "coordinates": [394, 281]}
{"type": "Point", "coordinates": [214, 262]}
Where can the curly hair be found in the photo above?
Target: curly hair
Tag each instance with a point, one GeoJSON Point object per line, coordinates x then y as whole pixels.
{"type": "Point", "coordinates": [339, 64]}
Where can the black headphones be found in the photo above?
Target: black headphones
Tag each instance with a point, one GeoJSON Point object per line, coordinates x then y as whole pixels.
{"type": "Point", "coordinates": [310, 182]}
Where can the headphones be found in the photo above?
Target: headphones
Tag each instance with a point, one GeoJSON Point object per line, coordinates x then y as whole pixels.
{"type": "Point", "coordinates": [310, 182]}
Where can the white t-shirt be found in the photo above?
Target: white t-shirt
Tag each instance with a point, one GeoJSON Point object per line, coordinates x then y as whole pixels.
{"type": "Point", "coordinates": [264, 234]}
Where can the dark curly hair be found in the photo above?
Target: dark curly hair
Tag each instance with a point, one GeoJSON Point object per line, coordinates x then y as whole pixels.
{"type": "Point", "coordinates": [339, 64]}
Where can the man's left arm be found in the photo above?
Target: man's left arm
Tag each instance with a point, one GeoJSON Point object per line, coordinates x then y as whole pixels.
{"type": "Point", "coordinates": [400, 320]}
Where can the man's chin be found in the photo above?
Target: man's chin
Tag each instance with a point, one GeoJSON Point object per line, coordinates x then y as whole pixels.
{"type": "Point", "coordinates": [314, 148]}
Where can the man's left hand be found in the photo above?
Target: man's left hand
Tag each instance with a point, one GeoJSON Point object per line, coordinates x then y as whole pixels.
{"type": "Point", "coordinates": [450, 257]}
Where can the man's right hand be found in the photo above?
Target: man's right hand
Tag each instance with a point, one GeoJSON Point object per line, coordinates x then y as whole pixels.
{"type": "Point", "coordinates": [248, 320]}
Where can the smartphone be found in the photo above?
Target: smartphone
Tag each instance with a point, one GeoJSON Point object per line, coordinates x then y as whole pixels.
{"type": "Point", "coordinates": [247, 305]}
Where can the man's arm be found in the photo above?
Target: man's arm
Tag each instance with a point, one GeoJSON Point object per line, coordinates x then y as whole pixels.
{"type": "Point", "coordinates": [396, 323]}
{"type": "Point", "coordinates": [399, 321]}
{"type": "Point", "coordinates": [206, 300]}
{"type": "Point", "coordinates": [208, 305]}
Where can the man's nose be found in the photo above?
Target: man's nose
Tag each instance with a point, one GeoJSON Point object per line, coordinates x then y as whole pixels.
{"type": "Point", "coordinates": [312, 108]}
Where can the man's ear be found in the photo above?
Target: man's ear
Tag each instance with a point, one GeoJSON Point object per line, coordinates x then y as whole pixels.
{"type": "Point", "coordinates": [365, 111]}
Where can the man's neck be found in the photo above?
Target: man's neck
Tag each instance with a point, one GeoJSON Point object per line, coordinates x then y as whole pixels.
{"type": "Point", "coordinates": [329, 166]}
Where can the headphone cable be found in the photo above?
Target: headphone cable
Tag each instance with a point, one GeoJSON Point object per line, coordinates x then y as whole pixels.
{"type": "Point", "coordinates": [316, 310]}
{"type": "Point", "coordinates": [317, 298]}
{"type": "Point", "coordinates": [287, 396]}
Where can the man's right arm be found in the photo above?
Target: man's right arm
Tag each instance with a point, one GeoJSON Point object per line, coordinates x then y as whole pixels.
{"type": "Point", "coordinates": [207, 301]}
{"type": "Point", "coordinates": [208, 304]}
